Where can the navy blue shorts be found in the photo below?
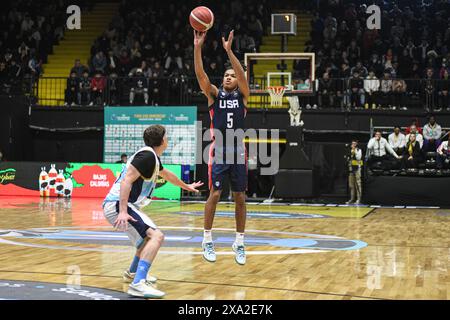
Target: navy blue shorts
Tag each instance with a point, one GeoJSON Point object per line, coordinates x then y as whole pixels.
{"type": "Point", "coordinates": [237, 172]}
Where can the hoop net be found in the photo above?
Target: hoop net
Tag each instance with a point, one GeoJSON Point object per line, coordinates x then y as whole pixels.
{"type": "Point", "coordinates": [276, 95]}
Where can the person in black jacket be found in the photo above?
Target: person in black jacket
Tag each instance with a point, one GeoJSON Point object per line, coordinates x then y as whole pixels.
{"type": "Point", "coordinates": [139, 85]}
{"type": "Point", "coordinates": [357, 90]}
{"type": "Point", "coordinates": [72, 89]}
{"type": "Point", "coordinates": [84, 90]}
{"type": "Point", "coordinates": [327, 91]}
{"type": "Point", "coordinates": [444, 86]}
{"type": "Point", "coordinates": [412, 154]}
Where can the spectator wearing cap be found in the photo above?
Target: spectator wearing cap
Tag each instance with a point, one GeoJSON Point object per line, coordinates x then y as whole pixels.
{"type": "Point", "coordinates": [139, 86]}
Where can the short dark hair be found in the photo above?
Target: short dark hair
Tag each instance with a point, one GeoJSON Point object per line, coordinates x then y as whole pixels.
{"type": "Point", "coordinates": [153, 135]}
{"type": "Point", "coordinates": [123, 155]}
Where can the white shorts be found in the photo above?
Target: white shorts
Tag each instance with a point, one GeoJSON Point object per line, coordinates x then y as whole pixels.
{"type": "Point", "coordinates": [137, 231]}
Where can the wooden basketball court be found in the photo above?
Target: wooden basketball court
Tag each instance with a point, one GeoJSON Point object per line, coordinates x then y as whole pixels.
{"type": "Point", "coordinates": [294, 251]}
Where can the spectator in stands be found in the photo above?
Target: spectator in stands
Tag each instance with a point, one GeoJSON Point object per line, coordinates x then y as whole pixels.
{"type": "Point", "coordinates": [353, 52]}
{"type": "Point", "coordinates": [343, 85]}
{"type": "Point", "coordinates": [397, 141]}
{"type": "Point", "coordinates": [413, 130]}
{"type": "Point", "coordinates": [357, 90]}
{"type": "Point", "coordinates": [72, 89]}
{"type": "Point", "coordinates": [412, 154]}
{"type": "Point", "coordinates": [35, 66]}
{"type": "Point", "coordinates": [376, 65]}
{"type": "Point", "coordinates": [123, 158]}
{"type": "Point", "coordinates": [4, 79]}
{"type": "Point", "coordinates": [362, 71]}
{"type": "Point", "coordinates": [432, 134]}
{"type": "Point", "coordinates": [443, 155]}
{"type": "Point", "coordinates": [371, 87]}
{"type": "Point", "coordinates": [326, 91]}
{"type": "Point", "coordinates": [354, 178]}
{"type": "Point", "coordinates": [139, 86]}
{"type": "Point", "coordinates": [135, 53]}
{"type": "Point", "coordinates": [99, 62]}
{"type": "Point", "coordinates": [414, 124]}
{"type": "Point", "coordinates": [175, 55]}
{"type": "Point", "coordinates": [398, 93]}
{"type": "Point", "coordinates": [379, 149]}
{"type": "Point", "coordinates": [78, 68]}
{"type": "Point", "coordinates": [98, 85]}
{"type": "Point", "coordinates": [14, 74]}
{"type": "Point", "coordinates": [124, 63]}
{"type": "Point", "coordinates": [112, 65]}
{"type": "Point", "coordinates": [386, 89]}
{"type": "Point", "coordinates": [429, 90]}
{"type": "Point", "coordinates": [114, 89]}
{"type": "Point", "coordinates": [255, 28]}
{"type": "Point", "coordinates": [443, 87]}
{"type": "Point", "coordinates": [84, 93]}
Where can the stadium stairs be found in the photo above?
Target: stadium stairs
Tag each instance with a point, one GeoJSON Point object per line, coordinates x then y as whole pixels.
{"type": "Point", "coordinates": [272, 44]}
{"type": "Point", "coordinates": [75, 45]}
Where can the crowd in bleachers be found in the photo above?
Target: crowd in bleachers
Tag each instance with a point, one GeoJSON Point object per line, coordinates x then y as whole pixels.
{"type": "Point", "coordinates": [29, 29]}
{"type": "Point", "coordinates": [405, 61]}
{"type": "Point", "coordinates": [414, 148]}
{"type": "Point", "coordinates": [148, 46]}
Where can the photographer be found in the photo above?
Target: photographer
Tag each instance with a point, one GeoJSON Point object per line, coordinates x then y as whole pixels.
{"type": "Point", "coordinates": [354, 174]}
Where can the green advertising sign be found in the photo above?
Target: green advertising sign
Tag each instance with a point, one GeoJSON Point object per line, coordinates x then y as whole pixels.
{"type": "Point", "coordinates": [124, 128]}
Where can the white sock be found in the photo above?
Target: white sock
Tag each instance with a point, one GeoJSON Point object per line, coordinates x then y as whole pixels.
{"type": "Point", "coordinates": [239, 239]}
{"type": "Point", "coordinates": [207, 236]}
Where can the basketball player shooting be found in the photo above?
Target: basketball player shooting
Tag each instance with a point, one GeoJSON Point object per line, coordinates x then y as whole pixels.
{"type": "Point", "coordinates": [122, 208]}
{"type": "Point", "coordinates": [227, 108]}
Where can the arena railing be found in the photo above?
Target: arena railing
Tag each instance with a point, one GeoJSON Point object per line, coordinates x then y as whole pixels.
{"type": "Point", "coordinates": [184, 90]}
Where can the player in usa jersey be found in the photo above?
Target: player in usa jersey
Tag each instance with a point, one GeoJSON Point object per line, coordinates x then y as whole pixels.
{"type": "Point", "coordinates": [122, 208]}
{"type": "Point", "coordinates": [227, 108]}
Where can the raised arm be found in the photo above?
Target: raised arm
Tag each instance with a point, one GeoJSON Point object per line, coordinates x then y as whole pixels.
{"type": "Point", "coordinates": [237, 67]}
{"type": "Point", "coordinates": [209, 90]}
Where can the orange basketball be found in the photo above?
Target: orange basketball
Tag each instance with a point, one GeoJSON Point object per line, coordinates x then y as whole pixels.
{"type": "Point", "coordinates": [201, 18]}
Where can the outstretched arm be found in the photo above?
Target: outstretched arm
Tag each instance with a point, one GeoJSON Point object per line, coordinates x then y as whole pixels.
{"type": "Point", "coordinates": [209, 90]}
{"type": "Point", "coordinates": [237, 67]}
{"type": "Point", "coordinates": [173, 179]}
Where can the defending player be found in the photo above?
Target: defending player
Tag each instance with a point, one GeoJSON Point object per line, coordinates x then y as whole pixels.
{"type": "Point", "coordinates": [122, 208]}
{"type": "Point", "coordinates": [227, 107]}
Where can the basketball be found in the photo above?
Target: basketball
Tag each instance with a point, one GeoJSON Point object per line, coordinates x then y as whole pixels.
{"type": "Point", "coordinates": [201, 19]}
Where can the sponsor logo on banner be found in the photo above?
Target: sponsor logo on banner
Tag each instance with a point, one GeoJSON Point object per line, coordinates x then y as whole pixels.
{"type": "Point", "coordinates": [7, 176]}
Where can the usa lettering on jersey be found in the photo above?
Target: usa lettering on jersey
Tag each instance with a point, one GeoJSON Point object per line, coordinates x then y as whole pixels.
{"type": "Point", "coordinates": [229, 104]}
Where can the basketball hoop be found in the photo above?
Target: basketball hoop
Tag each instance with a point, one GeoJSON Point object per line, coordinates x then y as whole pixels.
{"type": "Point", "coordinates": [276, 95]}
